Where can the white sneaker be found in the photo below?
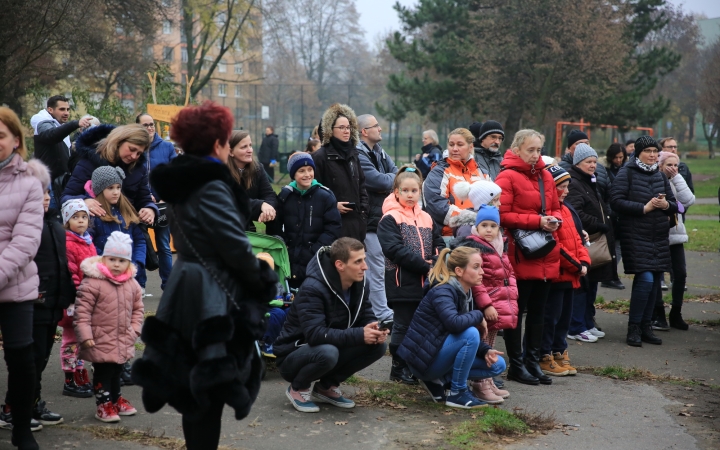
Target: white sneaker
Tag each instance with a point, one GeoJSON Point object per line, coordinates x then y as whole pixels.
{"type": "Point", "coordinates": [585, 336]}
{"type": "Point", "coordinates": [597, 333]}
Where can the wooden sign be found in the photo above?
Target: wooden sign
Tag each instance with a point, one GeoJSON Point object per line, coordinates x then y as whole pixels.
{"type": "Point", "coordinates": [163, 113]}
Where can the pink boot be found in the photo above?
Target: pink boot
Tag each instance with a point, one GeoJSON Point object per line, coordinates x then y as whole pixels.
{"type": "Point", "coordinates": [497, 391]}
{"type": "Point", "coordinates": [483, 391]}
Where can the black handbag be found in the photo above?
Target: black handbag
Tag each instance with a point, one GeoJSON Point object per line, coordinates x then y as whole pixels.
{"type": "Point", "coordinates": [161, 220]}
{"type": "Point", "coordinates": [152, 262]}
{"type": "Point", "coordinates": [535, 243]}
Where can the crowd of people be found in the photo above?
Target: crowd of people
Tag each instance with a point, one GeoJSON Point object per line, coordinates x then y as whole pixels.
{"type": "Point", "coordinates": [433, 260]}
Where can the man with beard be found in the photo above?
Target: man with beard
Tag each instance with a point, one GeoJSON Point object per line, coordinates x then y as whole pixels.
{"type": "Point", "coordinates": [488, 137]}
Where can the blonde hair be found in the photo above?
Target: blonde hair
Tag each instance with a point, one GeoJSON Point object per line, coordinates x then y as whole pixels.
{"type": "Point", "coordinates": [11, 120]}
{"type": "Point", "coordinates": [465, 133]}
{"type": "Point", "coordinates": [523, 135]}
{"type": "Point", "coordinates": [109, 148]}
{"type": "Point", "coordinates": [127, 211]}
{"type": "Point", "coordinates": [444, 270]}
{"type": "Point", "coordinates": [433, 135]}
{"type": "Point", "coordinates": [407, 172]}
{"type": "Point", "coordinates": [246, 177]}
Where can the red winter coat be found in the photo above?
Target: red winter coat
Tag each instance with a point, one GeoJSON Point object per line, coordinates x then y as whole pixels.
{"type": "Point", "coordinates": [77, 251]}
{"type": "Point", "coordinates": [520, 208]}
{"type": "Point", "coordinates": [498, 288]}
{"type": "Point", "coordinates": [573, 254]}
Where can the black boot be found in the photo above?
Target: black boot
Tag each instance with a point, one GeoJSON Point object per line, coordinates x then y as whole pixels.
{"type": "Point", "coordinates": [533, 342]}
{"type": "Point", "coordinates": [659, 322]}
{"type": "Point", "coordinates": [400, 372]}
{"type": "Point", "coordinates": [647, 334]}
{"type": "Point", "coordinates": [633, 335]}
{"type": "Point", "coordinates": [517, 371]}
{"type": "Point", "coordinates": [676, 320]}
{"type": "Point", "coordinates": [21, 393]}
{"type": "Point", "coordinates": [126, 375]}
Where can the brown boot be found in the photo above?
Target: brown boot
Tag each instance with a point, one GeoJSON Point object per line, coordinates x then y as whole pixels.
{"type": "Point", "coordinates": [563, 360]}
{"type": "Point", "coordinates": [484, 392]}
{"type": "Point", "coordinates": [497, 391]}
{"type": "Point", "coordinates": [549, 367]}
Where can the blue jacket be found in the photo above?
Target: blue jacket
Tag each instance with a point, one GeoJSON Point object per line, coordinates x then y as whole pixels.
{"type": "Point", "coordinates": [310, 220]}
{"type": "Point", "coordinates": [100, 231]}
{"type": "Point", "coordinates": [135, 186]}
{"type": "Point", "coordinates": [443, 311]}
{"type": "Point", "coordinates": [160, 152]}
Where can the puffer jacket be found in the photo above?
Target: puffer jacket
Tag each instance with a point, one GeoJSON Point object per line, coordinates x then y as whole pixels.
{"type": "Point", "coordinates": [573, 254]}
{"type": "Point", "coordinates": [77, 251]}
{"type": "Point", "coordinates": [136, 186]}
{"type": "Point", "coordinates": [520, 208]}
{"type": "Point", "coordinates": [683, 194]}
{"type": "Point", "coordinates": [101, 231]}
{"type": "Point", "coordinates": [319, 314]}
{"type": "Point", "coordinates": [603, 179]}
{"type": "Point", "coordinates": [379, 170]}
{"type": "Point", "coordinates": [311, 220]}
{"type": "Point", "coordinates": [109, 310]}
{"type": "Point", "coordinates": [444, 310]}
{"type": "Point", "coordinates": [438, 196]}
{"type": "Point", "coordinates": [56, 290]}
{"type": "Point", "coordinates": [488, 161]}
{"type": "Point", "coordinates": [644, 238]}
{"type": "Point", "coordinates": [21, 223]}
{"type": "Point", "coordinates": [410, 242]}
{"type": "Point", "coordinates": [160, 152]}
{"type": "Point", "coordinates": [498, 288]}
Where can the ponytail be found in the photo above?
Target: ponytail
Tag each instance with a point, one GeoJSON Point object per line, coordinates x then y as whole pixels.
{"type": "Point", "coordinates": [447, 261]}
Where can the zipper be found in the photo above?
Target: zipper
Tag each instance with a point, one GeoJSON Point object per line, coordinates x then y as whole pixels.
{"type": "Point", "coordinates": [362, 294]}
{"type": "Point", "coordinates": [311, 215]}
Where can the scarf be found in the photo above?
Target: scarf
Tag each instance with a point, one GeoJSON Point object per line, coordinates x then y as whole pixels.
{"type": "Point", "coordinates": [496, 243]}
{"type": "Point", "coordinates": [85, 237]}
{"type": "Point", "coordinates": [343, 147]}
{"type": "Point", "coordinates": [7, 161]}
{"type": "Point", "coordinates": [44, 116]}
{"type": "Point", "coordinates": [123, 277]}
{"type": "Point", "coordinates": [294, 186]}
{"type": "Point", "coordinates": [645, 167]}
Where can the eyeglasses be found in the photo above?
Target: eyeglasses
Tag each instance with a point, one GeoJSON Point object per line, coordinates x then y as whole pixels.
{"type": "Point", "coordinates": [651, 151]}
{"type": "Point", "coordinates": [343, 128]}
{"type": "Point", "coordinates": [670, 146]}
{"type": "Point", "coordinates": [148, 125]}
{"type": "Point", "coordinates": [374, 126]}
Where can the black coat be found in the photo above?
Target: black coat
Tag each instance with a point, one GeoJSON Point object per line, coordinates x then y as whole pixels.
{"type": "Point", "coordinates": [56, 288]}
{"type": "Point", "coordinates": [198, 345]}
{"type": "Point", "coordinates": [319, 314]}
{"type": "Point", "coordinates": [342, 174]}
{"type": "Point", "coordinates": [603, 180]}
{"type": "Point", "coordinates": [260, 192]}
{"type": "Point", "coordinates": [310, 221]}
{"type": "Point", "coordinates": [269, 149]}
{"type": "Point", "coordinates": [595, 217]}
{"type": "Point", "coordinates": [643, 237]}
{"type": "Point", "coordinates": [51, 149]}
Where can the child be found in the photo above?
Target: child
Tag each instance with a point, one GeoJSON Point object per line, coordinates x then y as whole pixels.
{"type": "Point", "coordinates": [79, 246]}
{"type": "Point", "coordinates": [276, 315]}
{"type": "Point", "coordinates": [410, 244]}
{"type": "Point", "coordinates": [108, 320]}
{"type": "Point", "coordinates": [482, 192]}
{"type": "Point", "coordinates": [497, 296]}
{"type": "Point", "coordinates": [309, 215]}
{"type": "Point", "coordinates": [574, 263]}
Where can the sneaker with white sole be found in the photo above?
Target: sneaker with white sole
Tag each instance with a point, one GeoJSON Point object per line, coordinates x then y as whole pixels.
{"type": "Point", "coordinates": [597, 333]}
{"type": "Point", "coordinates": [435, 389]}
{"type": "Point", "coordinates": [332, 395]}
{"type": "Point", "coordinates": [464, 399]}
{"type": "Point", "coordinates": [585, 336]}
{"type": "Point", "coordinates": [301, 400]}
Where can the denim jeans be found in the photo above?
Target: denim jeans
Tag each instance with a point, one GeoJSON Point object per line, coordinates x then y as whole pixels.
{"type": "Point", "coordinates": [645, 288]}
{"type": "Point", "coordinates": [162, 241]}
{"type": "Point", "coordinates": [558, 311]}
{"type": "Point", "coordinates": [583, 310]}
{"type": "Point", "coordinates": [376, 277]}
{"type": "Point", "coordinates": [458, 361]}
{"type": "Point", "coordinates": [141, 276]}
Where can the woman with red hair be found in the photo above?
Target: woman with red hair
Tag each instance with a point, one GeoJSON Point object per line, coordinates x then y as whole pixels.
{"type": "Point", "coordinates": [201, 352]}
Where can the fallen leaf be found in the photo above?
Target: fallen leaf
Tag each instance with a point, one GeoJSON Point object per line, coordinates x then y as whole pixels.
{"type": "Point", "coordinates": [448, 413]}
{"type": "Point", "coordinates": [400, 407]}
{"type": "Point", "coordinates": [434, 422]}
{"type": "Point", "coordinates": [473, 416]}
{"type": "Point", "coordinates": [341, 423]}
{"type": "Point", "coordinates": [317, 422]}
{"type": "Point", "coordinates": [508, 440]}
{"type": "Point", "coordinates": [688, 405]}
{"type": "Point", "coordinates": [517, 408]}
{"type": "Point", "coordinates": [710, 417]}
{"type": "Point", "coordinates": [426, 441]}
{"type": "Point", "coordinates": [380, 418]}
{"type": "Point", "coordinates": [684, 414]}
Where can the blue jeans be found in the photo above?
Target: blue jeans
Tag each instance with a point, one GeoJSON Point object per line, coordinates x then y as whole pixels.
{"type": "Point", "coordinates": [162, 239]}
{"type": "Point", "coordinates": [458, 361]}
{"type": "Point", "coordinates": [646, 286]}
{"type": "Point", "coordinates": [583, 309]}
{"type": "Point", "coordinates": [558, 310]}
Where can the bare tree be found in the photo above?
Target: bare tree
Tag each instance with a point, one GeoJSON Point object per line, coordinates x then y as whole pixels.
{"type": "Point", "coordinates": [709, 94]}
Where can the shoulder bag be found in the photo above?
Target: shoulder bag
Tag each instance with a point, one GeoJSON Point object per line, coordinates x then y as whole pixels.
{"type": "Point", "coordinates": [535, 243]}
{"type": "Point", "coordinates": [599, 251]}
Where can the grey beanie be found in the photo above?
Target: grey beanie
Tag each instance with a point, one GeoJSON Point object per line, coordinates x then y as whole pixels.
{"type": "Point", "coordinates": [105, 176]}
{"type": "Point", "coordinates": [582, 152]}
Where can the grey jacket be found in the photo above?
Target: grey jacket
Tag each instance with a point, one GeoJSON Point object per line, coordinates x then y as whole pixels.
{"type": "Point", "coordinates": [488, 161]}
{"type": "Point", "coordinates": [380, 172]}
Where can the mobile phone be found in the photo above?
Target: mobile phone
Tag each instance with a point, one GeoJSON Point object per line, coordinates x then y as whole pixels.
{"type": "Point", "coordinates": [554, 220]}
{"type": "Point", "coordinates": [661, 196]}
{"type": "Point", "coordinates": [351, 205]}
{"type": "Point", "coordinates": [385, 324]}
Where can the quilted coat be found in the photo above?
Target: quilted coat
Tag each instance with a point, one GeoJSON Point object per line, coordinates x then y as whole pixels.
{"type": "Point", "coordinates": [520, 208]}
{"type": "Point", "coordinates": [573, 254]}
{"type": "Point", "coordinates": [101, 230]}
{"type": "Point", "coordinates": [77, 251]}
{"type": "Point", "coordinates": [438, 197]}
{"type": "Point", "coordinates": [498, 288]}
{"type": "Point", "coordinates": [644, 238]}
{"type": "Point", "coordinates": [410, 242]}
{"type": "Point", "coordinates": [443, 311]}
{"type": "Point", "coordinates": [109, 310]}
{"type": "Point", "coordinates": [683, 194]}
{"type": "Point", "coordinates": [21, 223]}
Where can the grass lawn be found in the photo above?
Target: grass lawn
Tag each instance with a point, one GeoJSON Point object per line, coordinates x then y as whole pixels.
{"type": "Point", "coordinates": [705, 188]}
{"type": "Point", "coordinates": [704, 235]}
{"type": "Point", "coordinates": [704, 210]}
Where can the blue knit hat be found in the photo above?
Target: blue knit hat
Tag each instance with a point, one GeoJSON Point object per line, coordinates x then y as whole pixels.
{"type": "Point", "coordinates": [487, 213]}
{"type": "Point", "coordinates": [298, 160]}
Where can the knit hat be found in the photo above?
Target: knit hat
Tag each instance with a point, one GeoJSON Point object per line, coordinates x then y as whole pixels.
{"type": "Point", "coordinates": [576, 135]}
{"type": "Point", "coordinates": [480, 192]}
{"type": "Point", "coordinates": [548, 160]}
{"type": "Point", "coordinates": [70, 207]}
{"type": "Point", "coordinates": [582, 152]}
{"type": "Point", "coordinates": [298, 160]}
{"type": "Point", "coordinates": [267, 257]}
{"type": "Point", "coordinates": [558, 173]}
{"type": "Point", "coordinates": [475, 129]}
{"type": "Point", "coordinates": [487, 212]}
{"type": "Point", "coordinates": [104, 177]}
{"type": "Point", "coordinates": [644, 142]}
{"type": "Point", "coordinates": [491, 127]}
{"type": "Point", "coordinates": [119, 244]}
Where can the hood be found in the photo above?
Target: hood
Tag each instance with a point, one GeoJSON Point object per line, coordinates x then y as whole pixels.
{"type": "Point", "coordinates": [331, 115]}
{"type": "Point", "coordinates": [91, 268]}
{"type": "Point", "coordinates": [466, 217]}
{"type": "Point", "coordinates": [514, 162]}
{"type": "Point", "coordinates": [453, 286]}
{"type": "Point", "coordinates": [578, 174]}
{"type": "Point", "coordinates": [156, 141]}
{"type": "Point", "coordinates": [36, 168]}
{"type": "Point", "coordinates": [42, 116]}
{"type": "Point", "coordinates": [184, 175]}
{"type": "Point", "coordinates": [489, 153]}
{"type": "Point", "coordinates": [391, 203]}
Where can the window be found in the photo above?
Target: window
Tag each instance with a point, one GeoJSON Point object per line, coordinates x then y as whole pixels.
{"type": "Point", "coordinates": [168, 53]}
{"type": "Point", "coordinates": [183, 37]}
{"type": "Point", "coordinates": [222, 67]}
{"type": "Point", "coordinates": [167, 27]}
{"type": "Point", "coordinates": [238, 113]}
{"type": "Point", "coordinates": [238, 91]}
{"type": "Point", "coordinates": [183, 54]}
{"type": "Point", "coordinates": [222, 90]}
{"type": "Point", "coordinates": [238, 68]}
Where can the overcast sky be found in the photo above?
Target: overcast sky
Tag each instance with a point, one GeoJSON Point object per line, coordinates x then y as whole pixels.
{"type": "Point", "coordinates": [378, 17]}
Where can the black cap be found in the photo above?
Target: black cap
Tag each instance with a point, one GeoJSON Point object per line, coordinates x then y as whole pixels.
{"type": "Point", "coordinates": [491, 127]}
{"type": "Point", "coordinates": [576, 135]}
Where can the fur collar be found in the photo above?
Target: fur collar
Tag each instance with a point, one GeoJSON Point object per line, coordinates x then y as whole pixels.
{"type": "Point", "coordinates": [329, 118]}
{"type": "Point", "coordinates": [466, 217]}
{"type": "Point", "coordinates": [91, 268]}
{"type": "Point", "coordinates": [86, 147]}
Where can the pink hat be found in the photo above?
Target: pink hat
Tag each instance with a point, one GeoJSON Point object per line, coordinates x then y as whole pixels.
{"type": "Point", "coordinates": [119, 244]}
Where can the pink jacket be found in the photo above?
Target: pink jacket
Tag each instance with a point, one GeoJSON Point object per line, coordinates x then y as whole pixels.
{"type": "Point", "coordinates": [21, 223]}
{"type": "Point", "coordinates": [108, 310]}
